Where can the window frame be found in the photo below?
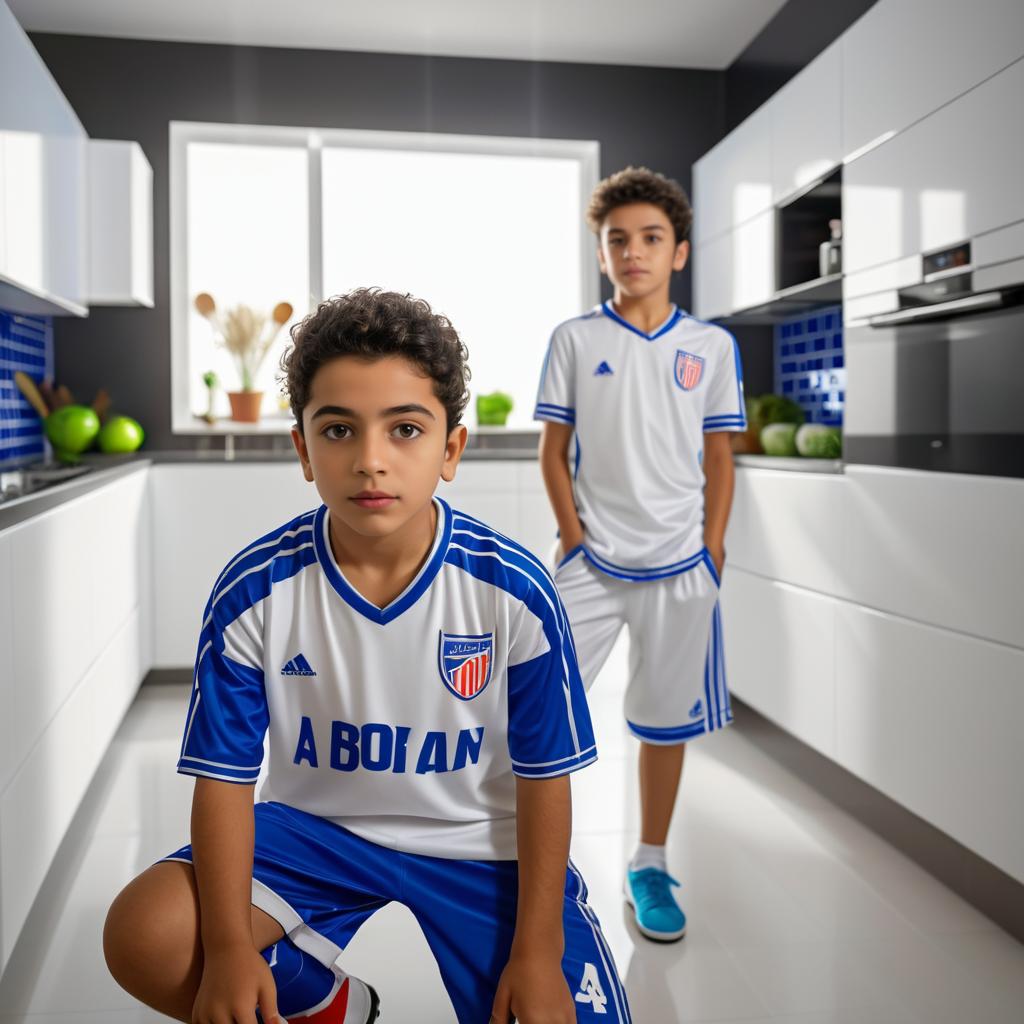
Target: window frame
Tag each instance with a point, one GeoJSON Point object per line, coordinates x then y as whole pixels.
{"type": "Point", "coordinates": [586, 152]}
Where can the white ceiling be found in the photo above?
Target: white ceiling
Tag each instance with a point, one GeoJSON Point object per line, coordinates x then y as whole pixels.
{"type": "Point", "coordinates": [662, 33]}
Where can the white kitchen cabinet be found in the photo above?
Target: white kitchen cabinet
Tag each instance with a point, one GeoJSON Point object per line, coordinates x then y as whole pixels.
{"type": "Point", "coordinates": [932, 719]}
{"type": "Point", "coordinates": [737, 270]}
{"type": "Point", "coordinates": [712, 277]}
{"type": "Point", "coordinates": [537, 529]}
{"type": "Point", "coordinates": [118, 565]}
{"type": "Point", "coordinates": [7, 763]}
{"type": "Point", "coordinates": [3, 207]}
{"type": "Point", "coordinates": [789, 527]}
{"type": "Point", "coordinates": [905, 59]}
{"type": "Point", "coordinates": [120, 224]}
{"type": "Point", "coordinates": [779, 646]}
{"type": "Point", "coordinates": [54, 616]}
{"type": "Point", "coordinates": [949, 177]}
{"type": "Point", "coordinates": [872, 373]}
{"type": "Point", "coordinates": [203, 515]}
{"type": "Point", "coordinates": [73, 584]}
{"type": "Point", "coordinates": [936, 547]}
{"type": "Point", "coordinates": [806, 117]}
{"type": "Point", "coordinates": [733, 181]}
{"type": "Point", "coordinates": [44, 183]}
{"type": "Point", "coordinates": [752, 270]}
{"type": "Point", "coordinates": [37, 806]}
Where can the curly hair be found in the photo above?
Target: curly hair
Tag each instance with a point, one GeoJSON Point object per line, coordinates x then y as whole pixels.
{"type": "Point", "coordinates": [640, 185]}
{"type": "Point", "coordinates": [370, 324]}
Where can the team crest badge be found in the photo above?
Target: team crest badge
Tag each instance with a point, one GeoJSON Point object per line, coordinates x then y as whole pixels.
{"type": "Point", "coordinates": [465, 662]}
{"type": "Point", "coordinates": [689, 369]}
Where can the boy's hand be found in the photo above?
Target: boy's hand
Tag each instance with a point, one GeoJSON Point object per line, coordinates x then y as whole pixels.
{"type": "Point", "coordinates": [235, 981]}
{"type": "Point", "coordinates": [569, 541]}
{"type": "Point", "coordinates": [717, 554]}
{"type": "Point", "coordinates": [534, 991]}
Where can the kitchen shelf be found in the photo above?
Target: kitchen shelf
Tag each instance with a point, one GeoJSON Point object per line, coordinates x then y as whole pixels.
{"type": "Point", "coordinates": [802, 227]}
{"type": "Point", "coordinates": [799, 298]}
{"type": "Point", "coordinates": [822, 291]}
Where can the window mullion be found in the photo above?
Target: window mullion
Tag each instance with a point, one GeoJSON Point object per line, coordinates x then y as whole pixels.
{"type": "Point", "coordinates": [316, 222]}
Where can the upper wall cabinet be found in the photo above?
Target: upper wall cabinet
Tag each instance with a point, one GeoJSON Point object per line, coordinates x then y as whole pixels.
{"type": "Point", "coordinates": [736, 271]}
{"type": "Point", "coordinates": [906, 58]}
{"type": "Point", "coordinates": [43, 184]}
{"type": "Point", "coordinates": [733, 181]}
{"type": "Point", "coordinates": [712, 278]}
{"type": "Point", "coordinates": [950, 177]}
{"type": "Point", "coordinates": [806, 120]}
{"type": "Point", "coordinates": [120, 225]}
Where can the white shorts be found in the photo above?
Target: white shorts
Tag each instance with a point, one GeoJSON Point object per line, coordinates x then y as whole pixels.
{"type": "Point", "coordinates": [677, 689]}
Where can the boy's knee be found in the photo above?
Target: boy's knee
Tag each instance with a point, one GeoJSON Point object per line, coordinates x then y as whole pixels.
{"type": "Point", "coordinates": [151, 925]}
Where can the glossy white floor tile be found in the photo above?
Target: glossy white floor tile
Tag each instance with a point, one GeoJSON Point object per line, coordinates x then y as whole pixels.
{"type": "Point", "coordinates": [798, 915]}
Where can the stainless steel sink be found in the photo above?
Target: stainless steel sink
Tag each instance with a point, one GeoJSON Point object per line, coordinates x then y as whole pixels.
{"type": "Point", "coordinates": [25, 480]}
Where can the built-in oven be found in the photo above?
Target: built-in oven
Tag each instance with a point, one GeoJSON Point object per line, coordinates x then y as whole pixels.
{"type": "Point", "coordinates": [938, 394]}
{"type": "Point", "coordinates": [934, 349]}
{"type": "Point", "coordinates": [951, 286]}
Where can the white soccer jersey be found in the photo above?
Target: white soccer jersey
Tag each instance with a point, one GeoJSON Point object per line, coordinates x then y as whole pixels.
{"type": "Point", "coordinates": [640, 404]}
{"type": "Point", "coordinates": [405, 724]}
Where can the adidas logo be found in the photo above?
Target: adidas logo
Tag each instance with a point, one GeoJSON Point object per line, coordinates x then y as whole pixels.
{"type": "Point", "coordinates": [604, 370]}
{"type": "Point", "coordinates": [298, 666]}
{"type": "Point", "coordinates": [697, 710]}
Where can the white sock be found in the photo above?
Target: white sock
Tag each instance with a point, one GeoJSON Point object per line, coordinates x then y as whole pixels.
{"type": "Point", "coordinates": [648, 856]}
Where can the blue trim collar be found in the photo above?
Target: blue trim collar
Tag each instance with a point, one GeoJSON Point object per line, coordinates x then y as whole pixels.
{"type": "Point", "coordinates": [673, 318]}
{"type": "Point", "coordinates": [411, 594]}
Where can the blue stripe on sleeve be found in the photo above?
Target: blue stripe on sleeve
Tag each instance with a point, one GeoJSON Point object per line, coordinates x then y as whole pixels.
{"type": "Point", "coordinates": [227, 713]}
{"type": "Point", "coordinates": [228, 718]}
{"type": "Point", "coordinates": [550, 731]}
{"type": "Point", "coordinates": [555, 413]}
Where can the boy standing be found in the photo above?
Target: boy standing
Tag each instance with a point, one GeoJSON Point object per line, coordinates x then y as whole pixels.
{"type": "Point", "coordinates": [649, 394]}
{"type": "Point", "coordinates": [415, 678]}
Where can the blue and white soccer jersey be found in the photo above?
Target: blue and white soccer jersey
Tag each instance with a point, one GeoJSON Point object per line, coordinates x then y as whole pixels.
{"type": "Point", "coordinates": [403, 727]}
{"type": "Point", "coordinates": [640, 405]}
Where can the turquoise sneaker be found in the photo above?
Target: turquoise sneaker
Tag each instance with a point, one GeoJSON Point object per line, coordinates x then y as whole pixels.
{"type": "Point", "coordinates": [649, 893]}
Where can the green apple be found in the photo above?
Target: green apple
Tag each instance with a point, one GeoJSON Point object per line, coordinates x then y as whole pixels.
{"type": "Point", "coordinates": [121, 434]}
{"type": "Point", "coordinates": [72, 429]}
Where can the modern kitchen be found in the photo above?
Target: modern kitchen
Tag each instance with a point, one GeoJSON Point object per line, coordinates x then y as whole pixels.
{"type": "Point", "coordinates": [180, 188]}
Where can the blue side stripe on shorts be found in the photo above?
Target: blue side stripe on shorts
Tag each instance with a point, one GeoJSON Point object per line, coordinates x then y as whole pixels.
{"type": "Point", "coordinates": [608, 961]}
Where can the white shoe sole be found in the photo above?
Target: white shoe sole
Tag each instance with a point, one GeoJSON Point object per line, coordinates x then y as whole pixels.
{"type": "Point", "coordinates": [647, 932]}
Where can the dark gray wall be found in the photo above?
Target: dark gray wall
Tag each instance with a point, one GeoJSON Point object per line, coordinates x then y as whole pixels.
{"type": "Point", "coordinates": [790, 41]}
{"type": "Point", "coordinates": [126, 89]}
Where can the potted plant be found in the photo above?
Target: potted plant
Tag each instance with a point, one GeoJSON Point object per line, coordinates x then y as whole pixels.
{"type": "Point", "coordinates": [492, 410]}
{"type": "Point", "coordinates": [247, 336]}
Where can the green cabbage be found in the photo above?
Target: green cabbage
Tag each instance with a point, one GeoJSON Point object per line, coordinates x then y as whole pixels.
{"type": "Point", "coordinates": [817, 441]}
{"type": "Point", "coordinates": [772, 409]}
{"type": "Point", "coordinates": [779, 439]}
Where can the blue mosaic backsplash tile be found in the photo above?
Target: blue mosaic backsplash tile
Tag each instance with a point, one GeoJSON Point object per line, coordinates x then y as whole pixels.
{"type": "Point", "coordinates": [26, 343]}
{"type": "Point", "coordinates": [809, 364]}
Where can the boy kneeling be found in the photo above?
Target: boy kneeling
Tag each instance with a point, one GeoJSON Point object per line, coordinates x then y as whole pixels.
{"type": "Point", "coordinates": [417, 678]}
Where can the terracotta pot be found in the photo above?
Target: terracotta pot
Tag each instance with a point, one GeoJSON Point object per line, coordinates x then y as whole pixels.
{"type": "Point", "coordinates": [245, 405]}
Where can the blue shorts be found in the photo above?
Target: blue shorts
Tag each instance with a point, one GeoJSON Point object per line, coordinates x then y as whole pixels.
{"type": "Point", "coordinates": [320, 882]}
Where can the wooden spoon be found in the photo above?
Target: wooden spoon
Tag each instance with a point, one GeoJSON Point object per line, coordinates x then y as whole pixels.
{"type": "Point", "coordinates": [101, 404]}
{"type": "Point", "coordinates": [205, 305]}
{"type": "Point", "coordinates": [282, 313]}
{"type": "Point", "coordinates": [27, 386]}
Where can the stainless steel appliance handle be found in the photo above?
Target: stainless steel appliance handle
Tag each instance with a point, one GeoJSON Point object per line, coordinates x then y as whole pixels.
{"type": "Point", "coordinates": [970, 303]}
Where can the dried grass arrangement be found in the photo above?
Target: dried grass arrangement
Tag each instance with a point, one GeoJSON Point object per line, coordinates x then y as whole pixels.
{"type": "Point", "coordinates": [245, 333]}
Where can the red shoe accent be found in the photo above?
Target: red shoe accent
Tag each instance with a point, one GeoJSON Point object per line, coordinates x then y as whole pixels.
{"type": "Point", "coordinates": [333, 1013]}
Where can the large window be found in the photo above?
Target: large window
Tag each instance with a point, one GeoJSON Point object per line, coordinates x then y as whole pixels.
{"type": "Point", "coordinates": [488, 230]}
